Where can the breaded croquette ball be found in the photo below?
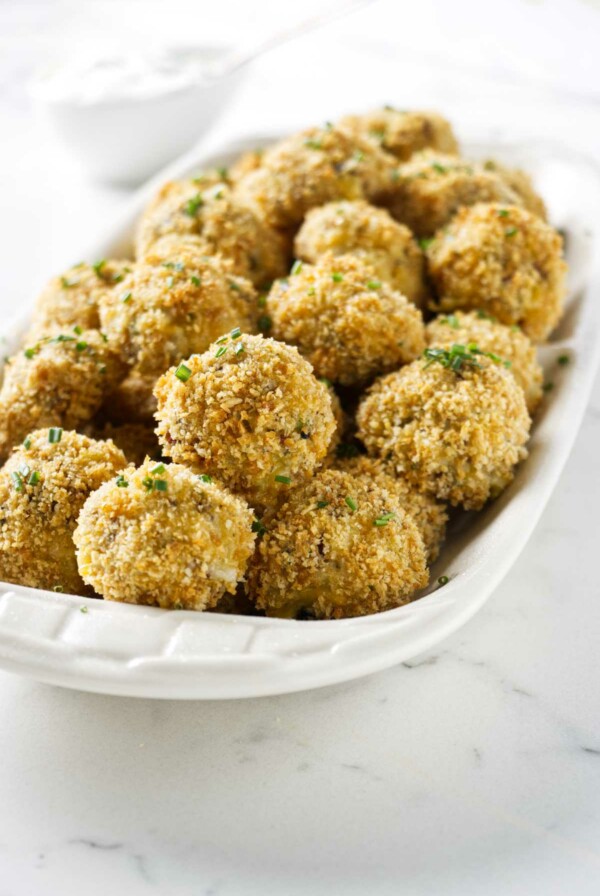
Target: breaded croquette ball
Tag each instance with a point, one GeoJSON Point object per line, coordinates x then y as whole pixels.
{"type": "Point", "coordinates": [347, 323]}
{"type": "Point", "coordinates": [503, 260]}
{"type": "Point", "coordinates": [60, 380]}
{"type": "Point", "coordinates": [248, 412]}
{"type": "Point", "coordinates": [247, 162]}
{"type": "Point", "coordinates": [339, 546]}
{"type": "Point", "coordinates": [508, 343]}
{"type": "Point", "coordinates": [161, 535]}
{"type": "Point", "coordinates": [454, 424]}
{"type": "Point", "coordinates": [71, 299]}
{"type": "Point", "coordinates": [220, 225]}
{"type": "Point", "coordinates": [135, 440]}
{"type": "Point", "coordinates": [431, 188]}
{"type": "Point", "coordinates": [403, 133]}
{"type": "Point", "coordinates": [132, 401]}
{"type": "Point", "coordinates": [371, 234]}
{"type": "Point", "coordinates": [428, 513]}
{"type": "Point", "coordinates": [519, 181]}
{"type": "Point", "coordinates": [311, 168]}
{"type": "Point", "coordinates": [43, 486]}
{"type": "Point", "coordinates": [171, 309]}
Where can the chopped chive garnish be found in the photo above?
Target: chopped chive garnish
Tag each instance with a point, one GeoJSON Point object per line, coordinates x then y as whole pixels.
{"type": "Point", "coordinates": [258, 527]}
{"type": "Point", "coordinates": [337, 277]}
{"type": "Point", "coordinates": [161, 485]}
{"type": "Point", "coordinates": [503, 213]}
{"type": "Point", "coordinates": [148, 483]}
{"type": "Point", "coordinates": [121, 482]}
{"type": "Point", "coordinates": [443, 580]}
{"type": "Point", "coordinates": [204, 477]}
{"type": "Point", "coordinates": [351, 503]}
{"type": "Point", "coordinates": [17, 481]}
{"type": "Point", "coordinates": [27, 442]}
{"type": "Point", "coordinates": [159, 468]}
{"type": "Point", "coordinates": [325, 381]}
{"type": "Point", "coordinates": [296, 267]}
{"type": "Point", "coordinates": [195, 280]}
{"type": "Point", "coordinates": [265, 323]}
{"type": "Point", "coordinates": [126, 297]}
{"type": "Point", "coordinates": [563, 360]}
{"type": "Point", "coordinates": [311, 291]}
{"type": "Point", "coordinates": [98, 267]}
{"type": "Point", "coordinates": [322, 504]}
{"type": "Point", "coordinates": [451, 320]}
{"type": "Point", "coordinates": [83, 609]}
{"type": "Point", "coordinates": [77, 330]}
{"type": "Point", "coordinates": [58, 588]}
{"type": "Point", "coordinates": [234, 286]}
{"type": "Point", "coordinates": [358, 155]}
{"type": "Point", "coordinates": [221, 340]}
{"type": "Point", "coordinates": [81, 346]}
{"type": "Point", "coordinates": [441, 169]}
{"type": "Point", "coordinates": [284, 479]}
{"type": "Point", "coordinates": [236, 333]}
{"type": "Point", "coordinates": [220, 351]}
{"type": "Point", "coordinates": [34, 478]}
{"type": "Point", "coordinates": [374, 284]}
{"type": "Point", "coordinates": [313, 144]}
{"type": "Point", "coordinates": [192, 205]}
{"type": "Point", "coordinates": [223, 172]}
{"type": "Point", "coordinates": [67, 284]}
{"type": "Point", "coordinates": [183, 373]}
{"type": "Point", "coordinates": [170, 282]}
{"type": "Point", "coordinates": [239, 348]}
{"type": "Point", "coordinates": [459, 356]}
{"type": "Point", "coordinates": [55, 434]}
{"type": "Point", "coordinates": [510, 231]}
{"type": "Point", "coordinates": [548, 387]}
{"type": "Point", "coordinates": [30, 352]}
{"type": "Point", "coordinates": [384, 519]}
{"type": "Point", "coordinates": [425, 242]}
{"type": "Point", "coordinates": [262, 300]}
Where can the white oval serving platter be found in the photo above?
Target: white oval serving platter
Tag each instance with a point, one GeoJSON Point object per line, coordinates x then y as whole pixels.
{"type": "Point", "coordinates": [115, 648]}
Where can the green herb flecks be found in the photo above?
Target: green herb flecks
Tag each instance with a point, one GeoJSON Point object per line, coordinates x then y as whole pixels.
{"type": "Point", "coordinates": [55, 434]}
{"type": "Point", "coordinates": [183, 373]}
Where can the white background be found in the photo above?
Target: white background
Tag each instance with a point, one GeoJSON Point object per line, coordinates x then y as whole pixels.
{"type": "Point", "coordinates": [475, 771]}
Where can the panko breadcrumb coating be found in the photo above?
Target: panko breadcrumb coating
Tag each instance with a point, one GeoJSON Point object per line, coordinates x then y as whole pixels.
{"type": "Point", "coordinates": [347, 323]}
{"type": "Point", "coordinates": [219, 223]}
{"type": "Point", "coordinates": [403, 133]}
{"type": "Point", "coordinates": [60, 380]}
{"type": "Point", "coordinates": [370, 234]}
{"type": "Point", "coordinates": [132, 401]}
{"type": "Point", "coordinates": [504, 260]}
{"type": "Point", "coordinates": [162, 536]}
{"type": "Point", "coordinates": [339, 546]}
{"type": "Point", "coordinates": [135, 440]}
{"type": "Point", "coordinates": [249, 412]}
{"type": "Point", "coordinates": [431, 188]}
{"type": "Point", "coordinates": [43, 486]}
{"type": "Point", "coordinates": [247, 162]}
{"type": "Point", "coordinates": [311, 168]}
{"type": "Point", "coordinates": [167, 311]}
{"type": "Point", "coordinates": [508, 343]}
{"type": "Point", "coordinates": [72, 298]}
{"type": "Point", "coordinates": [456, 434]}
{"type": "Point", "coordinates": [429, 515]}
{"type": "Point", "coordinates": [519, 181]}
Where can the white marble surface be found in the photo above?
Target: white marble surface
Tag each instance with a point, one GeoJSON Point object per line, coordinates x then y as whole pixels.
{"type": "Point", "coordinates": [475, 770]}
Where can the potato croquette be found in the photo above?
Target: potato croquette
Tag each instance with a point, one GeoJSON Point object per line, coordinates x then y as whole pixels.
{"type": "Point", "coordinates": [403, 133]}
{"type": "Point", "coordinates": [347, 323]}
{"type": "Point", "coordinates": [248, 412]}
{"type": "Point", "coordinates": [71, 299]}
{"type": "Point", "coordinates": [221, 226]}
{"type": "Point", "coordinates": [169, 310]}
{"type": "Point", "coordinates": [509, 343]}
{"type": "Point", "coordinates": [160, 535]}
{"type": "Point", "coordinates": [339, 546]}
{"type": "Point", "coordinates": [60, 380]}
{"type": "Point", "coordinates": [521, 183]}
{"type": "Point", "coordinates": [429, 515]}
{"type": "Point", "coordinates": [247, 162]}
{"type": "Point", "coordinates": [310, 169]}
{"type": "Point", "coordinates": [43, 486]}
{"type": "Point", "coordinates": [503, 260]}
{"type": "Point", "coordinates": [431, 188]}
{"type": "Point", "coordinates": [454, 424]}
{"type": "Point", "coordinates": [370, 234]}
{"type": "Point", "coordinates": [135, 440]}
{"type": "Point", "coordinates": [132, 401]}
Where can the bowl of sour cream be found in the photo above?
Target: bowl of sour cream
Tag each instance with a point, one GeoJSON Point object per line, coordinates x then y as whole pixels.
{"type": "Point", "coordinates": [126, 115]}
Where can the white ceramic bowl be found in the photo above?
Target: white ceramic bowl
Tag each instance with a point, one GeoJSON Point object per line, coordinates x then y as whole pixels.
{"type": "Point", "coordinates": [119, 649]}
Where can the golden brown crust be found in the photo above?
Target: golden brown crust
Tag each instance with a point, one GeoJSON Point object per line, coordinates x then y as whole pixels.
{"type": "Point", "coordinates": [249, 411]}
{"type": "Point", "coordinates": [339, 546]}
{"type": "Point", "coordinates": [509, 343]}
{"type": "Point", "coordinates": [432, 187]}
{"type": "Point", "coordinates": [370, 234]}
{"type": "Point", "coordinates": [403, 133]}
{"type": "Point", "coordinates": [428, 513]}
{"type": "Point", "coordinates": [247, 162]}
{"type": "Point", "coordinates": [132, 401]}
{"type": "Point", "coordinates": [220, 224]}
{"type": "Point", "coordinates": [43, 486]}
{"type": "Point", "coordinates": [176, 307]}
{"type": "Point", "coordinates": [457, 436]}
{"type": "Point", "coordinates": [347, 323]}
{"type": "Point", "coordinates": [165, 538]}
{"type": "Point", "coordinates": [519, 181]}
{"type": "Point", "coordinates": [311, 168]}
{"type": "Point", "coordinates": [71, 299]}
{"type": "Point", "coordinates": [60, 380]}
{"type": "Point", "coordinates": [504, 260]}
